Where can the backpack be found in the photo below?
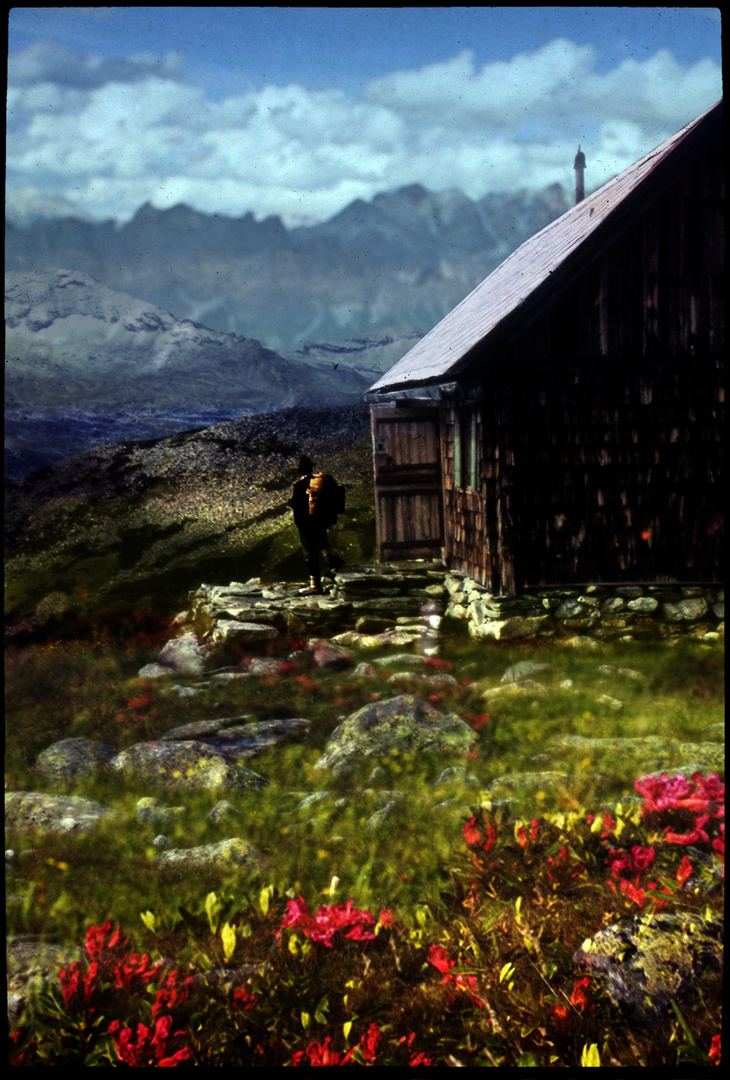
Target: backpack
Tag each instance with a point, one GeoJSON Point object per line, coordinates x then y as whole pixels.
{"type": "Point", "coordinates": [326, 498]}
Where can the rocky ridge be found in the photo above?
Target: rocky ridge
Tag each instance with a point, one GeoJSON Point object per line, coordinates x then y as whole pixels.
{"type": "Point", "coordinates": [406, 257]}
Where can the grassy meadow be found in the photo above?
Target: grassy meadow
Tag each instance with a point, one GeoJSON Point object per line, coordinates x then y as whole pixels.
{"type": "Point", "coordinates": [442, 933]}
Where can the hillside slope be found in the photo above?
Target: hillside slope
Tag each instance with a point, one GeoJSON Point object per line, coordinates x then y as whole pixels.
{"type": "Point", "coordinates": [142, 523]}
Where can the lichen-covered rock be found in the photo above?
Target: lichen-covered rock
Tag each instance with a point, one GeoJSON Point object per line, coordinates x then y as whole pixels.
{"type": "Point", "coordinates": [30, 811]}
{"type": "Point", "coordinates": [226, 853]}
{"type": "Point", "coordinates": [649, 961]}
{"type": "Point", "coordinates": [525, 688]}
{"type": "Point", "coordinates": [70, 759]}
{"type": "Point", "coordinates": [405, 724]}
{"type": "Point", "coordinates": [188, 764]}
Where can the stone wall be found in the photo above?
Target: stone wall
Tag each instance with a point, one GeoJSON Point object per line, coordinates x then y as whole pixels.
{"type": "Point", "coordinates": [596, 612]}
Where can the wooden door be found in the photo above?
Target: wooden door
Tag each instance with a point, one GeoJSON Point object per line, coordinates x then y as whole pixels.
{"type": "Point", "coordinates": [408, 486]}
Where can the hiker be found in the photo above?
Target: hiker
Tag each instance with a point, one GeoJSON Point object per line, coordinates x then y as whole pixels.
{"type": "Point", "coordinates": [313, 513]}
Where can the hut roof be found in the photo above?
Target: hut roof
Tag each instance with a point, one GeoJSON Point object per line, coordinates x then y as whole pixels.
{"type": "Point", "coordinates": [540, 263]}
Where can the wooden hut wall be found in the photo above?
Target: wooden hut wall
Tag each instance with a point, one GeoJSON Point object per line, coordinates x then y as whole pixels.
{"type": "Point", "coordinates": [602, 420]}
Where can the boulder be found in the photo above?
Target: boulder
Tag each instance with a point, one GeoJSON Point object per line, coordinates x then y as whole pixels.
{"type": "Point", "coordinates": [30, 811]}
{"type": "Point", "coordinates": [184, 654]}
{"type": "Point", "coordinates": [188, 764]}
{"type": "Point", "coordinates": [404, 725]}
{"type": "Point", "coordinates": [332, 657]}
{"type": "Point", "coordinates": [526, 688]}
{"type": "Point", "coordinates": [524, 670]}
{"type": "Point", "coordinates": [206, 857]}
{"type": "Point", "coordinates": [70, 759]}
{"type": "Point", "coordinates": [650, 960]}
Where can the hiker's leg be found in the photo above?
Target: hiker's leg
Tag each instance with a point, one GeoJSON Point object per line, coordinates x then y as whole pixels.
{"type": "Point", "coordinates": [311, 556]}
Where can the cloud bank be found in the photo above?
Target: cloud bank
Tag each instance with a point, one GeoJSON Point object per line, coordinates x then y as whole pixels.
{"type": "Point", "coordinates": [112, 134]}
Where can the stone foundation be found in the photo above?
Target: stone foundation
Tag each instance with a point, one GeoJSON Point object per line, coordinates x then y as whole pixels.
{"type": "Point", "coordinates": [592, 612]}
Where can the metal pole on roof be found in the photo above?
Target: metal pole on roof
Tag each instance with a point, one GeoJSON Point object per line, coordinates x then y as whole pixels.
{"type": "Point", "coordinates": [579, 165]}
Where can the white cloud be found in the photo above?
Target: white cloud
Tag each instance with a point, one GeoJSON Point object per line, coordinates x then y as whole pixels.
{"type": "Point", "coordinates": [118, 133]}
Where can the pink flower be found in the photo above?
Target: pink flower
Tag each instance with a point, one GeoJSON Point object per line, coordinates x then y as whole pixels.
{"type": "Point", "coordinates": [679, 793]}
{"type": "Point", "coordinates": [328, 920]}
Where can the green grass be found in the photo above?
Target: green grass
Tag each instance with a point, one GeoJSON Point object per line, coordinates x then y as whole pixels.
{"type": "Point", "coordinates": [499, 915]}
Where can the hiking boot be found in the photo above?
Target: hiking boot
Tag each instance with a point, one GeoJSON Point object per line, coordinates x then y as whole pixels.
{"type": "Point", "coordinates": [335, 563]}
{"type": "Point", "coordinates": [313, 589]}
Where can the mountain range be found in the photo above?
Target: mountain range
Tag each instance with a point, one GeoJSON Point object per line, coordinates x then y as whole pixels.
{"type": "Point", "coordinates": [402, 260]}
{"type": "Point", "coordinates": [154, 326]}
{"type": "Point", "coordinates": [87, 364]}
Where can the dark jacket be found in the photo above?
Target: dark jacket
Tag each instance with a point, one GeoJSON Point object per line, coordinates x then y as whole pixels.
{"type": "Point", "coordinates": [299, 503]}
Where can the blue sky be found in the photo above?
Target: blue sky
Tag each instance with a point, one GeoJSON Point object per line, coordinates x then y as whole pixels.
{"type": "Point", "coordinates": [297, 111]}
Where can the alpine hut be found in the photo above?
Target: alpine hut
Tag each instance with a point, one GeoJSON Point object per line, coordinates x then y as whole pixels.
{"type": "Point", "coordinates": [562, 424]}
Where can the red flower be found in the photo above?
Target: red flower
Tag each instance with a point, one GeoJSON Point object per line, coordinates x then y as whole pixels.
{"type": "Point", "coordinates": [151, 1047]}
{"type": "Point", "coordinates": [135, 968]}
{"type": "Point", "coordinates": [715, 1048]}
{"type": "Point", "coordinates": [439, 957]}
{"type": "Point", "coordinates": [106, 946]}
{"type": "Point", "coordinates": [686, 869]}
{"type": "Point", "coordinates": [369, 1042]}
{"type": "Point", "coordinates": [580, 996]}
{"type": "Point", "coordinates": [78, 990]}
{"type": "Point", "coordinates": [173, 989]}
{"type": "Point", "coordinates": [318, 1054]}
{"type": "Point", "coordinates": [473, 836]}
